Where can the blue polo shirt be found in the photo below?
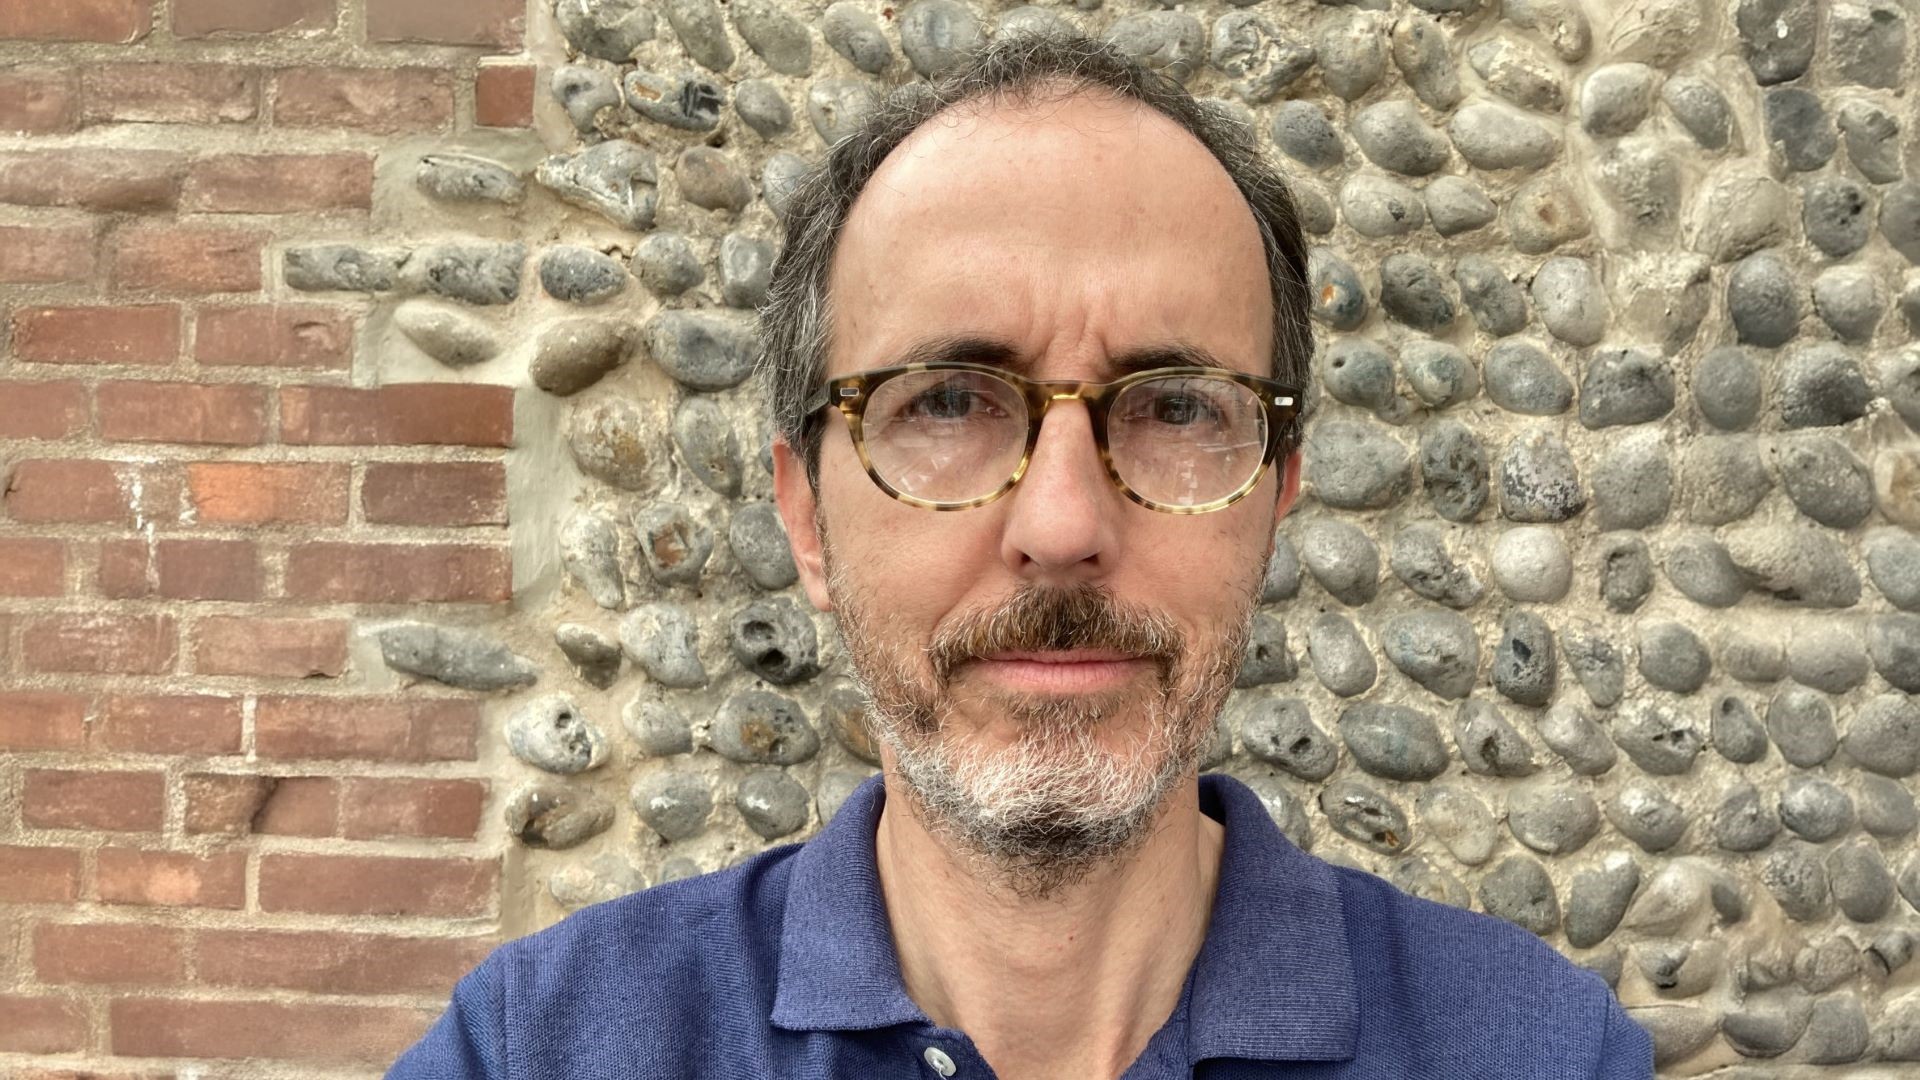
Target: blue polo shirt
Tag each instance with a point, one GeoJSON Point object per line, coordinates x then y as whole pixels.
{"type": "Point", "coordinates": [783, 966]}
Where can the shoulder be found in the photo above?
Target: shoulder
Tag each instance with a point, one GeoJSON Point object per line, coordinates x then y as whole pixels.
{"type": "Point", "coordinates": [1480, 984]}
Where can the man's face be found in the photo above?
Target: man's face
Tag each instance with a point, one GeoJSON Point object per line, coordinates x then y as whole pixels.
{"type": "Point", "coordinates": [1046, 667]}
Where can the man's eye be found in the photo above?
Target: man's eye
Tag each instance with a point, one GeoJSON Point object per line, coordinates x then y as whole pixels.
{"type": "Point", "coordinates": [945, 403]}
{"type": "Point", "coordinates": [1178, 410]}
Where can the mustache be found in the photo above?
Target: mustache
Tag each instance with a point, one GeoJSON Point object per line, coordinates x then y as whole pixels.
{"type": "Point", "coordinates": [1083, 616]}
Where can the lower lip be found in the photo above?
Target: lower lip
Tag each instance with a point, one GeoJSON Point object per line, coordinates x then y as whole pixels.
{"type": "Point", "coordinates": [1076, 677]}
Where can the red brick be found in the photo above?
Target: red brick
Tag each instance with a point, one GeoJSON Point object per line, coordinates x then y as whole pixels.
{"type": "Point", "coordinates": [455, 414]}
{"type": "Point", "coordinates": [384, 101]}
{"type": "Point", "coordinates": [274, 335]}
{"type": "Point", "coordinates": [223, 802]}
{"type": "Point", "coordinates": [337, 963]}
{"type": "Point", "coordinates": [228, 414]}
{"type": "Point", "coordinates": [209, 570]}
{"type": "Point", "coordinates": [100, 644]}
{"type": "Point", "coordinates": [37, 101]}
{"type": "Point", "coordinates": [251, 493]}
{"type": "Point", "coordinates": [169, 93]}
{"type": "Point", "coordinates": [141, 334]}
{"type": "Point", "coordinates": [378, 808]}
{"type": "Point", "coordinates": [180, 724]}
{"type": "Point", "coordinates": [42, 410]}
{"type": "Point", "coordinates": [377, 885]}
{"type": "Point", "coordinates": [33, 720]}
{"type": "Point", "coordinates": [129, 953]}
{"type": "Point", "coordinates": [32, 567]}
{"type": "Point", "coordinates": [206, 18]}
{"type": "Point", "coordinates": [448, 22]}
{"type": "Point", "coordinates": [163, 1027]}
{"type": "Point", "coordinates": [399, 574]}
{"type": "Point", "coordinates": [186, 258]}
{"type": "Point", "coordinates": [299, 806]}
{"type": "Point", "coordinates": [171, 878]}
{"type": "Point", "coordinates": [121, 801]}
{"type": "Point", "coordinates": [280, 183]}
{"type": "Point", "coordinates": [337, 728]}
{"type": "Point", "coordinates": [444, 493]}
{"type": "Point", "coordinates": [112, 22]}
{"type": "Point", "coordinates": [270, 648]}
{"type": "Point", "coordinates": [44, 490]}
{"type": "Point", "coordinates": [45, 255]}
{"type": "Point", "coordinates": [35, 1024]}
{"type": "Point", "coordinates": [503, 95]}
{"type": "Point", "coordinates": [39, 875]}
{"type": "Point", "coordinates": [115, 180]}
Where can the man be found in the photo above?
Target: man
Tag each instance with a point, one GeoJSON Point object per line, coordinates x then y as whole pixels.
{"type": "Point", "coordinates": [1036, 345]}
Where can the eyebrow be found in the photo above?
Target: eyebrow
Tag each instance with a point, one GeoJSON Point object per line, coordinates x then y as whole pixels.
{"type": "Point", "coordinates": [979, 349]}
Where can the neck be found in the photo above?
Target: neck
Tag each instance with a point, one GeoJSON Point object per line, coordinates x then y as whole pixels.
{"type": "Point", "coordinates": [1073, 985]}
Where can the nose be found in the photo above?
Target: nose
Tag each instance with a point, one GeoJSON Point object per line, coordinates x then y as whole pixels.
{"type": "Point", "coordinates": [1063, 523]}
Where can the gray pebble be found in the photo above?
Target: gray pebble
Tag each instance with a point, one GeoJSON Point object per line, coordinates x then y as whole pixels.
{"type": "Point", "coordinates": [1261, 60]}
{"type": "Point", "coordinates": [1341, 658]}
{"type": "Point", "coordinates": [1659, 738]}
{"type": "Point", "coordinates": [465, 178]}
{"type": "Point", "coordinates": [1778, 37]}
{"type": "Point", "coordinates": [1616, 98]}
{"type": "Point", "coordinates": [707, 444]}
{"type": "Point", "coordinates": [1647, 816]}
{"type": "Point", "coordinates": [1538, 479]}
{"type": "Point", "coordinates": [1173, 42]}
{"type": "Point", "coordinates": [1522, 74]}
{"type": "Point", "coordinates": [1456, 205]}
{"type": "Point", "coordinates": [1301, 130]}
{"type": "Point", "coordinates": [837, 107]}
{"type": "Point", "coordinates": [1799, 128]}
{"type": "Point", "coordinates": [1872, 135]}
{"type": "Point", "coordinates": [1354, 465]}
{"type": "Point", "coordinates": [1766, 1030]}
{"type": "Point", "coordinates": [1282, 731]}
{"type": "Point", "coordinates": [1824, 479]}
{"type": "Point", "coordinates": [341, 268]}
{"type": "Point", "coordinates": [581, 275]}
{"type": "Point", "coordinates": [1282, 579]}
{"type": "Point", "coordinates": [582, 92]}
{"type": "Point", "coordinates": [1493, 137]}
{"type": "Point", "coordinates": [712, 180]}
{"type": "Point", "coordinates": [446, 334]}
{"type": "Point", "coordinates": [1893, 562]}
{"type": "Point", "coordinates": [1794, 874]}
{"type": "Point", "coordinates": [659, 729]}
{"type": "Point", "coordinates": [1626, 571]}
{"type": "Point", "coordinates": [1633, 482]}
{"type": "Point", "coordinates": [702, 31]}
{"type": "Point", "coordinates": [1552, 817]}
{"type": "Point", "coordinates": [1353, 55]}
{"type": "Point", "coordinates": [1744, 822]}
{"type": "Point", "coordinates": [1339, 297]}
{"type": "Point", "coordinates": [1489, 745]}
{"type": "Point", "coordinates": [1885, 806]}
{"type": "Point", "coordinates": [1342, 558]}
{"type": "Point", "coordinates": [1570, 300]}
{"type": "Point", "coordinates": [1850, 301]}
{"type": "Point", "coordinates": [1624, 385]}
{"type": "Point", "coordinates": [937, 34]}
{"type": "Point", "coordinates": [1822, 385]}
{"type": "Point", "coordinates": [1393, 136]}
{"type": "Point", "coordinates": [853, 32]}
{"type": "Point", "coordinates": [1519, 891]}
{"type": "Point", "coordinates": [1862, 886]}
{"type": "Point", "coordinates": [674, 545]}
{"type": "Point", "coordinates": [1801, 724]}
{"type": "Point", "coordinates": [1642, 176]}
{"type": "Point", "coordinates": [1836, 1030]}
{"type": "Point", "coordinates": [781, 39]}
{"type": "Point", "coordinates": [1459, 820]}
{"type": "Point", "coordinates": [616, 179]}
{"type": "Point", "coordinates": [554, 816]}
{"type": "Point", "coordinates": [1379, 207]}
{"type": "Point", "coordinates": [1725, 478]}
{"type": "Point", "coordinates": [1497, 304]}
{"type": "Point", "coordinates": [455, 656]}
{"type": "Point", "coordinates": [1837, 215]}
{"type": "Point", "coordinates": [1437, 649]}
{"type": "Point", "coordinates": [844, 714]}
{"type": "Point", "coordinates": [683, 100]}
{"type": "Point", "coordinates": [1868, 43]}
{"type": "Point", "coordinates": [1560, 23]}
{"type": "Point", "coordinates": [1365, 816]}
{"type": "Point", "coordinates": [1598, 665]}
{"type": "Point", "coordinates": [1545, 212]}
{"type": "Point", "coordinates": [1393, 741]}
{"type": "Point", "coordinates": [595, 656]}
{"type": "Point", "coordinates": [481, 274]}
{"type": "Point", "coordinates": [1893, 641]}
{"type": "Point", "coordinates": [759, 545]}
{"type": "Point", "coordinates": [573, 354]}
{"type": "Point", "coordinates": [772, 803]}
{"type": "Point", "coordinates": [1900, 372]}
{"type": "Point", "coordinates": [1736, 732]}
{"type": "Point", "coordinates": [1453, 470]}
{"type": "Point", "coordinates": [1423, 562]}
{"type": "Point", "coordinates": [606, 29]}
{"type": "Point", "coordinates": [1742, 210]}
{"type": "Point", "coordinates": [1598, 896]}
{"type": "Point", "coordinates": [676, 805]}
{"type": "Point", "coordinates": [759, 727]}
{"type": "Point", "coordinates": [1884, 735]}
{"type": "Point", "coordinates": [1701, 109]}
{"type": "Point", "coordinates": [590, 553]}
{"type": "Point", "coordinates": [746, 267]}
{"type": "Point", "coordinates": [1797, 565]}
{"type": "Point", "coordinates": [1419, 876]}
{"type": "Point", "coordinates": [1267, 658]}
{"type": "Point", "coordinates": [1440, 374]}
{"type": "Point", "coordinates": [1523, 663]}
{"type": "Point", "coordinates": [1698, 565]}
{"type": "Point", "coordinates": [1752, 656]}
{"type": "Point", "coordinates": [775, 640]}
{"type": "Point", "coordinates": [1423, 51]}
{"type": "Point", "coordinates": [1414, 293]}
{"type": "Point", "coordinates": [703, 349]}
{"type": "Point", "coordinates": [662, 640]}
{"type": "Point", "coordinates": [1358, 372]}
{"type": "Point", "coordinates": [1314, 208]}
{"type": "Point", "coordinates": [763, 106]}
{"type": "Point", "coordinates": [1814, 808]}
{"type": "Point", "coordinates": [1763, 299]}
{"type": "Point", "coordinates": [1522, 378]}
{"type": "Point", "coordinates": [551, 733]}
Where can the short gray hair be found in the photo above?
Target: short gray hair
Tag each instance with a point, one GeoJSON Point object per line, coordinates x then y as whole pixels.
{"type": "Point", "coordinates": [794, 320]}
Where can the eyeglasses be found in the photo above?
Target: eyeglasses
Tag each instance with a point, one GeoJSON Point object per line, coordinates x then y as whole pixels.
{"type": "Point", "coordinates": [951, 435]}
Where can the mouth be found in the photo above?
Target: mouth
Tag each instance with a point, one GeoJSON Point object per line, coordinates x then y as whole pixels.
{"type": "Point", "coordinates": [1063, 671]}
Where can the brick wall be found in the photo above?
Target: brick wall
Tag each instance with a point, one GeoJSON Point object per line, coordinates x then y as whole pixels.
{"type": "Point", "coordinates": [219, 844]}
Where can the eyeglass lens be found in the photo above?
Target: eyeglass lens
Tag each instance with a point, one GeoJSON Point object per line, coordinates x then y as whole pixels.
{"type": "Point", "coordinates": [955, 436]}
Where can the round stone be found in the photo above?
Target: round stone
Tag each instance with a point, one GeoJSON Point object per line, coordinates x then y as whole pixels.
{"type": "Point", "coordinates": [1440, 374]}
{"type": "Point", "coordinates": [1796, 877]}
{"type": "Point", "coordinates": [836, 787]}
{"type": "Point", "coordinates": [779, 38]}
{"type": "Point", "coordinates": [1267, 658]}
{"type": "Point", "coordinates": [710, 179]}
{"type": "Point", "coordinates": [1282, 731]}
{"type": "Point", "coordinates": [779, 175]}
{"type": "Point", "coordinates": [1850, 301]}
{"type": "Point", "coordinates": [1423, 51]}
{"type": "Point", "coordinates": [1170, 41]}
{"type": "Point", "coordinates": [1393, 136]}
{"type": "Point", "coordinates": [937, 34]}
{"type": "Point", "coordinates": [1393, 741]}
{"type": "Point", "coordinates": [1519, 891]}
{"type": "Point", "coordinates": [1633, 482]}
{"type": "Point", "coordinates": [764, 108]}
{"type": "Point", "coordinates": [1378, 207]}
{"type": "Point", "coordinates": [1355, 465]}
{"type": "Point", "coordinates": [1358, 372]}
{"type": "Point", "coordinates": [1522, 378]}
{"type": "Point", "coordinates": [1893, 562]}
{"type": "Point", "coordinates": [772, 803]}
{"type": "Point", "coordinates": [1795, 564]}
{"type": "Point", "coordinates": [1453, 470]}
{"type": "Point", "coordinates": [674, 804]}
{"type": "Point", "coordinates": [1341, 659]}
{"type": "Point", "coordinates": [1456, 205]}
{"type": "Point", "coordinates": [551, 733]}
{"type": "Point", "coordinates": [583, 91]}
{"type": "Point", "coordinates": [1414, 293]}
{"type": "Point", "coordinates": [775, 640]}
{"type": "Point", "coordinates": [703, 349]}
{"type": "Point", "coordinates": [595, 656]}
{"type": "Point", "coordinates": [1893, 642]}
{"type": "Point", "coordinates": [1531, 564]}
{"type": "Point", "coordinates": [759, 544]}
{"type": "Point", "coordinates": [1497, 304]}
{"type": "Point", "coordinates": [663, 641]}
{"type": "Point", "coordinates": [1647, 816]}
{"type": "Point", "coordinates": [1801, 724]}
{"type": "Point", "coordinates": [1302, 131]}
{"type": "Point", "coordinates": [455, 656]}
{"type": "Point", "coordinates": [1743, 821]}
{"type": "Point", "coordinates": [1421, 559]}
{"type": "Point", "coordinates": [659, 729]}
{"type": "Point", "coordinates": [852, 31]}
{"type": "Point", "coordinates": [1570, 301]}
{"type": "Point", "coordinates": [1365, 816]}
{"type": "Point", "coordinates": [1815, 808]}
{"type": "Point", "coordinates": [1342, 558]}
{"type": "Point", "coordinates": [1616, 98]}
{"type": "Point", "coordinates": [1698, 565]}
{"type": "Point", "coordinates": [1753, 657]}
{"type": "Point", "coordinates": [1884, 735]}
{"type": "Point", "coordinates": [1872, 135]}
{"type": "Point", "coordinates": [684, 99]}
{"type": "Point", "coordinates": [1596, 663]}
{"type": "Point", "coordinates": [1437, 649]}
{"type": "Point", "coordinates": [1861, 883]}
{"type": "Point", "coordinates": [1519, 72]}
{"type": "Point", "coordinates": [1339, 297]}
{"type": "Point", "coordinates": [1822, 385]}
{"type": "Point", "coordinates": [1778, 37]}
{"type": "Point", "coordinates": [1523, 663]}
{"type": "Point", "coordinates": [590, 553]}
{"type": "Point", "coordinates": [707, 444]}
{"type": "Point", "coordinates": [1824, 479]}
{"type": "Point", "coordinates": [674, 546]}
{"type": "Point", "coordinates": [1885, 806]}
{"type": "Point", "coordinates": [1726, 388]}
{"type": "Point", "coordinates": [1552, 817]}
{"type": "Point", "coordinates": [1459, 820]}
{"type": "Point", "coordinates": [1489, 744]}
{"type": "Point", "coordinates": [1598, 896]}
{"type": "Point", "coordinates": [1419, 876]}
{"type": "Point", "coordinates": [446, 334]}
{"type": "Point", "coordinates": [580, 275]}
{"type": "Point", "coordinates": [1261, 60]}
{"type": "Point", "coordinates": [1837, 215]}
{"type": "Point", "coordinates": [596, 881]}
{"type": "Point", "coordinates": [574, 354]}
{"type": "Point", "coordinates": [1624, 385]}
{"type": "Point", "coordinates": [837, 107]}
{"type": "Point", "coordinates": [1493, 137]}
{"type": "Point", "coordinates": [1900, 218]}
{"type": "Point", "coordinates": [1763, 299]}
{"type": "Point", "coordinates": [845, 715]}
{"type": "Point", "coordinates": [666, 263]}
{"type": "Point", "coordinates": [1538, 479]}
{"type": "Point", "coordinates": [1282, 579]}
{"type": "Point", "coordinates": [1353, 55]}
{"type": "Point", "coordinates": [549, 815]}
{"type": "Point", "coordinates": [759, 727]}
{"type": "Point", "coordinates": [1736, 732]}
{"type": "Point", "coordinates": [1725, 478]}
{"type": "Point", "coordinates": [1626, 571]}
{"type": "Point", "coordinates": [1701, 109]}
{"type": "Point", "coordinates": [1659, 739]}
{"type": "Point", "coordinates": [1799, 128]}
{"type": "Point", "coordinates": [606, 29]}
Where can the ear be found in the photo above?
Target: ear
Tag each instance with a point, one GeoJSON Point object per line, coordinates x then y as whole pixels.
{"type": "Point", "coordinates": [1289, 485]}
{"type": "Point", "coordinates": [797, 501]}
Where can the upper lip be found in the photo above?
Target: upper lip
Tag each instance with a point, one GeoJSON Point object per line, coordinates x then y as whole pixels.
{"type": "Point", "coordinates": [1064, 656]}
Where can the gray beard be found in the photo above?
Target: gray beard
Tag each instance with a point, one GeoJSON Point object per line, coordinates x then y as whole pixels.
{"type": "Point", "coordinates": [1036, 816]}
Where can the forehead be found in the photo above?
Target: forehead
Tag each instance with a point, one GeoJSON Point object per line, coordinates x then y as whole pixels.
{"type": "Point", "coordinates": [1072, 228]}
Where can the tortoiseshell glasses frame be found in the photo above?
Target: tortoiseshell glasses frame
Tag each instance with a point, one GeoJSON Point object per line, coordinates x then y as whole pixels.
{"type": "Point", "coordinates": [850, 394]}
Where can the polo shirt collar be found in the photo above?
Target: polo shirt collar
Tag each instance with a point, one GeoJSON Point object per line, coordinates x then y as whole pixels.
{"type": "Point", "coordinates": [1273, 981]}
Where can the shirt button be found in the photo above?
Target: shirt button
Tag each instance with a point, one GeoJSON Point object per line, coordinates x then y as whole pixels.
{"type": "Point", "coordinates": [941, 1063]}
